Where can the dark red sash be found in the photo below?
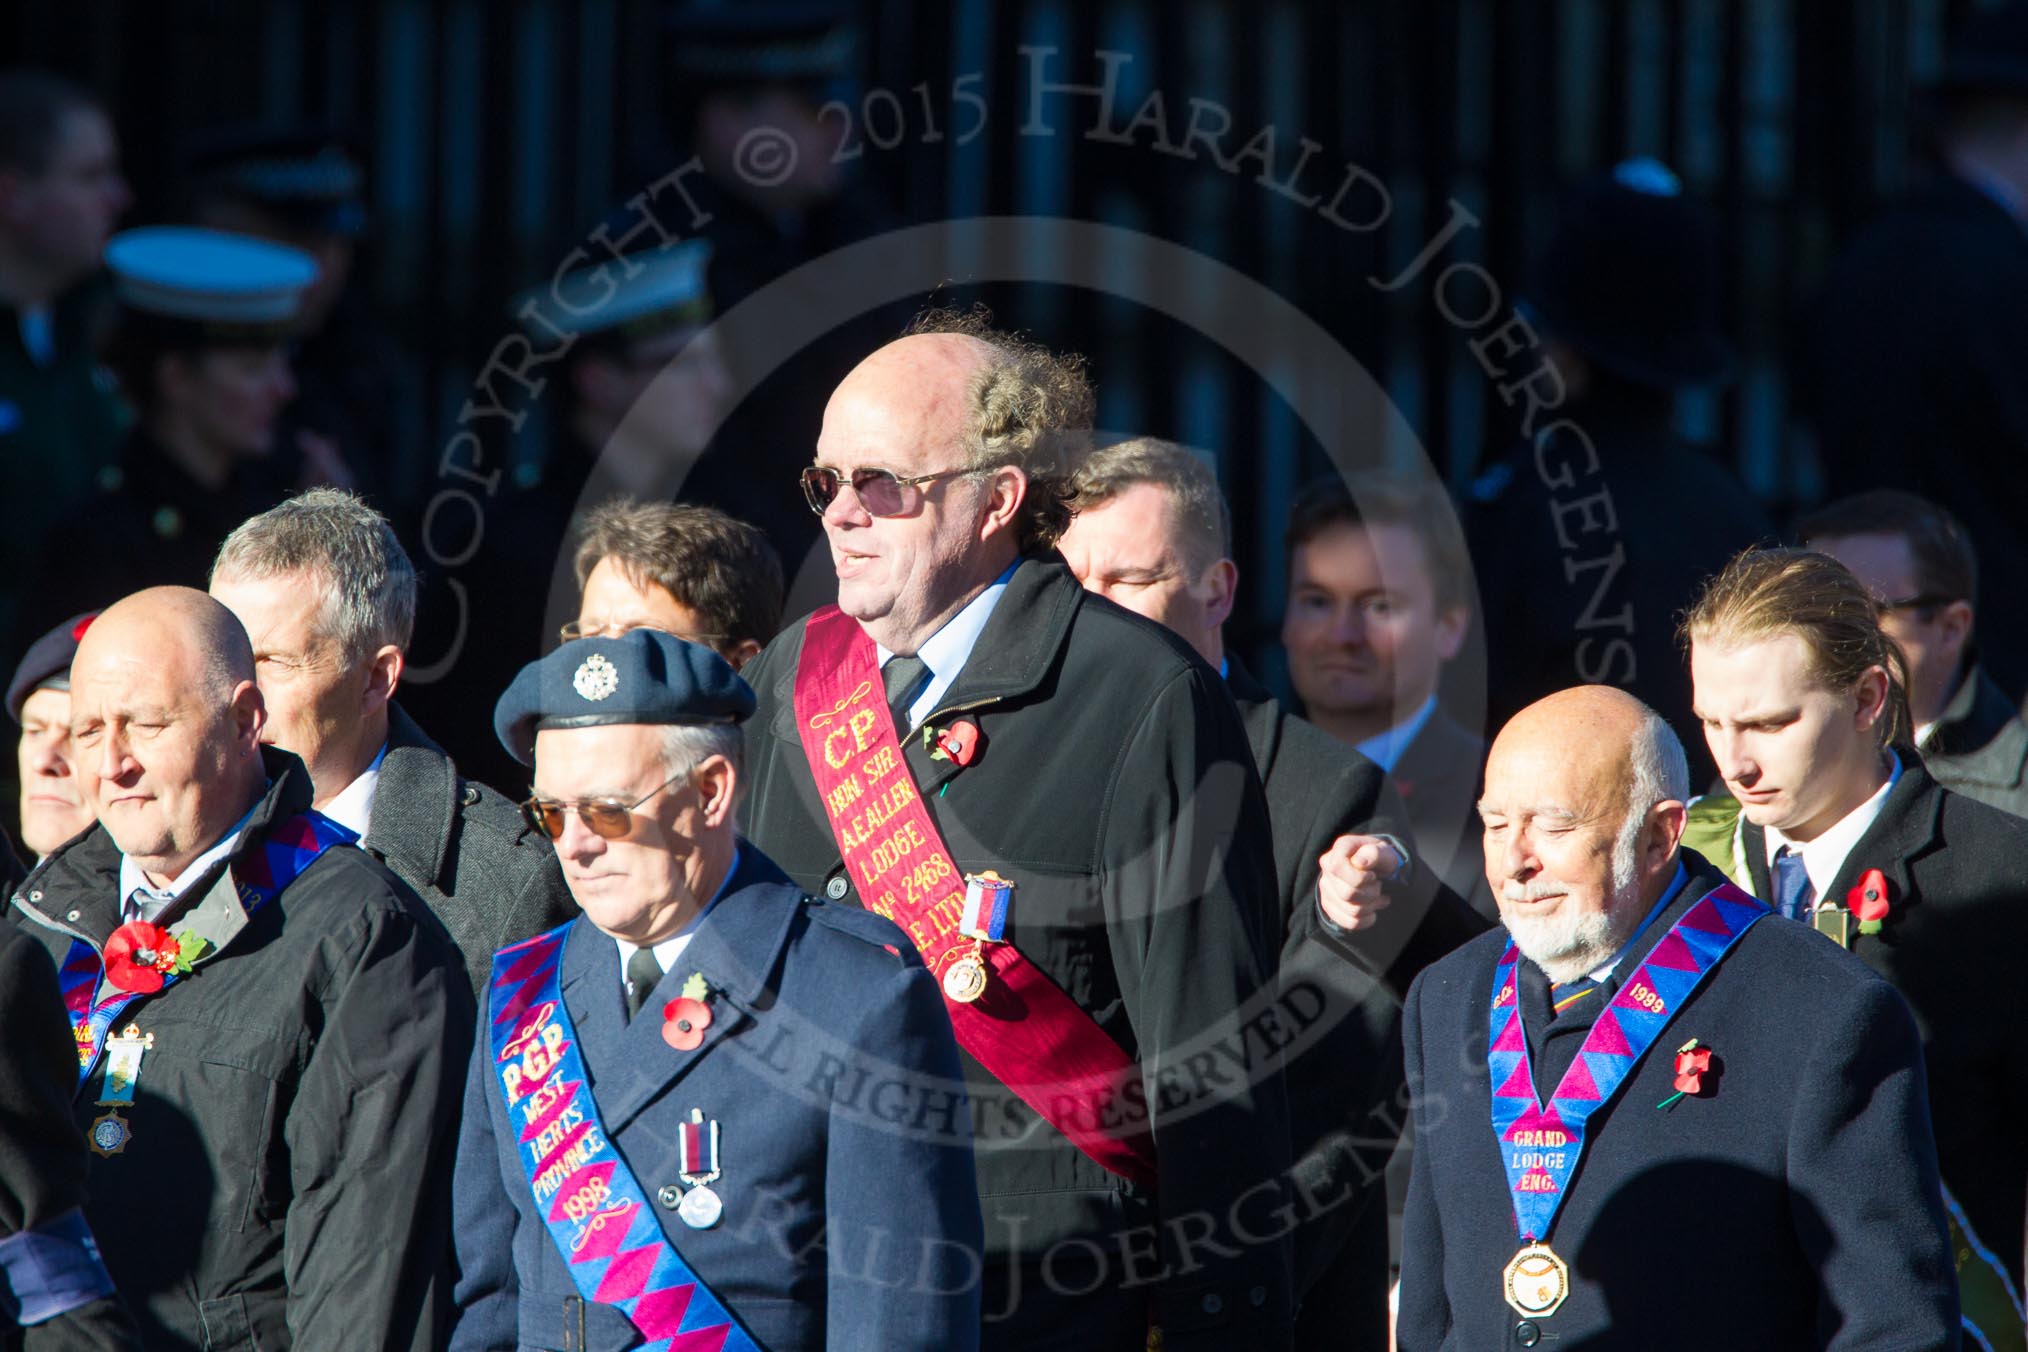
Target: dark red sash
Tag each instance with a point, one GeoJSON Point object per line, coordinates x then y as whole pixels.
{"type": "Point", "coordinates": [1033, 1037]}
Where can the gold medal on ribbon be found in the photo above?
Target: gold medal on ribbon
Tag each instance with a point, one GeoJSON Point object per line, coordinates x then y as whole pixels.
{"type": "Point", "coordinates": [965, 979]}
{"type": "Point", "coordinates": [1536, 1281]}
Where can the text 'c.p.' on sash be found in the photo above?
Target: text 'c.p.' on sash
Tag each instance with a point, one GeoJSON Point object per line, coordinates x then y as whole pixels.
{"type": "Point", "coordinates": [1024, 1029]}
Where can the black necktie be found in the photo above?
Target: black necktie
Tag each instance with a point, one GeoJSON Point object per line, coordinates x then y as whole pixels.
{"type": "Point", "coordinates": [904, 678]}
{"type": "Point", "coordinates": [643, 975]}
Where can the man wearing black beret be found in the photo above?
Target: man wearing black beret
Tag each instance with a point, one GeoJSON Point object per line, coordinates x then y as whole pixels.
{"type": "Point", "coordinates": [53, 808]}
{"type": "Point", "coordinates": [712, 1107]}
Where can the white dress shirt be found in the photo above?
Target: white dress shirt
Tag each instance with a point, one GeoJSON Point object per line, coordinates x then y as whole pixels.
{"type": "Point", "coordinates": [947, 650]}
{"type": "Point", "coordinates": [353, 807]}
{"type": "Point", "coordinates": [671, 949]}
{"type": "Point", "coordinates": [1824, 856]}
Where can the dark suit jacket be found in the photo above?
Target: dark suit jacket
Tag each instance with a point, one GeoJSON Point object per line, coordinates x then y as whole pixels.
{"type": "Point", "coordinates": [464, 849]}
{"type": "Point", "coordinates": [1437, 776]}
{"type": "Point", "coordinates": [1980, 745]}
{"type": "Point", "coordinates": [1957, 876]}
{"type": "Point", "coordinates": [1794, 1204]}
{"type": "Point", "coordinates": [851, 1219]}
{"type": "Point", "coordinates": [1317, 790]}
{"type": "Point", "coordinates": [1343, 1092]}
{"type": "Point", "coordinates": [1113, 784]}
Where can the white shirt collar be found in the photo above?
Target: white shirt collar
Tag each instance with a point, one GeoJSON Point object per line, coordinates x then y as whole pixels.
{"type": "Point", "coordinates": [153, 900]}
{"type": "Point", "coordinates": [1824, 856]}
{"type": "Point", "coordinates": [947, 650]}
{"type": "Point", "coordinates": [353, 807]}
{"type": "Point", "coordinates": [669, 950]}
{"type": "Point", "coordinates": [1385, 748]}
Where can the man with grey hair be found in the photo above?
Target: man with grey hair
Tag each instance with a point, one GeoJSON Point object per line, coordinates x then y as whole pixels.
{"type": "Point", "coordinates": [1723, 1083]}
{"type": "Point", "coordinates": [328, 596]}
{"type": "Point", "coordinates": [700, 989]}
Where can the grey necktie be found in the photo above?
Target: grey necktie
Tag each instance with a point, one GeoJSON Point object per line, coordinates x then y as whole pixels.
{"type": "Point", "coordinates": [904, 678]}
{"type": "Point", "coordinates": [643, 975]}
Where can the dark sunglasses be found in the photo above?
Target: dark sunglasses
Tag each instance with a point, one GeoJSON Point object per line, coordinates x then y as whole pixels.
{"type": "Point", "coordinates": [881, 492]}
{"type": "Point", "coordinates": [607, 817]}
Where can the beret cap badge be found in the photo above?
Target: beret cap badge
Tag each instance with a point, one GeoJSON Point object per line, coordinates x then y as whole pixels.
{"type": "Point", "coordinates": [596, 678]}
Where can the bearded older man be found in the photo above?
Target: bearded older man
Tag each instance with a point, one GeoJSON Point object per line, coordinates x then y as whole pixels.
{"type": "Point", "coordinates": [266, 1022]}
{"type": "Point", "coordinates": [1746, 1100]}
{"type": "Point", "coordinates": [1056, 800]}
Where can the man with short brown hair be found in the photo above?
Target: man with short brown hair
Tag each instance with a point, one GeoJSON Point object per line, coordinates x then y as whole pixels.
{"type": "Point", "coordinates": [1379, 601]}
{"type": "Point", "coordinates": [686, 569]}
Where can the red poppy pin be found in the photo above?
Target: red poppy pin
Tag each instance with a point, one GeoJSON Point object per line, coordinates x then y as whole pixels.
{"type": "Point", "coordinates": [1868, 900]}
{"type": "Point", "coordinates": [140, 955]}
{"type": "Point", "coordinates": [683, 1023]}
{"type": "Point", "coordinates": [960, 742]}
{"type": "Point", "coordinates": [1693, 1063]}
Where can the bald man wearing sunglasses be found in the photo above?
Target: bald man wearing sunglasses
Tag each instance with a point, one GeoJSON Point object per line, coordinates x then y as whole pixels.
{"type": "Point", "coordinates": [712, 1108]}
{"type": "Point", "coordinates": [1056, 801]}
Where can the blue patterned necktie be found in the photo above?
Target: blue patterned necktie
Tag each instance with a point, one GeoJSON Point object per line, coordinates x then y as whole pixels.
{"type": "Point", "coordinates": [1793, 893]}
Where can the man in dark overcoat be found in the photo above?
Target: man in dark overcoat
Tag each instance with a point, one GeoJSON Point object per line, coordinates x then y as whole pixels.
{"type": "Point", "coordinates": [1094, 870]}
{"type": "Point", "coordinates": [1579, 532]}
{"type": "Point", "coordinates": [1693, 1125]}
{"type": "Point", "coordinates": [267, 1014]}
{"type": "Point", "coordinates": [1909, 354]}
{"type": "Point", "coordinates": [772, 1075]}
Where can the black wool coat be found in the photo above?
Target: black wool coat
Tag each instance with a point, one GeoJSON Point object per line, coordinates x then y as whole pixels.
{"type": "Point", "coordinates": [1792, 1204]}
{"type": "Point", "coordinates": [43, 1160]}
{"type": "Point", "coordinates": [464, 849]}
{"type": "Point", "coordinates": [1318, 789]}
{"type": "Point", "coordinates": [288, 1179]}
{"type": "Point", "coordinates": [1115, 787]}
{"type": "Point", "coordinates": [1909, 368]}
{"type": "Point", "coordinates": [1952, 943]}
{"type": "Point", "coordinates": [1588, 544]}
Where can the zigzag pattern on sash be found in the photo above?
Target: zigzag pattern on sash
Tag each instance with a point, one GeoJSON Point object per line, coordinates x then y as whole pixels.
{"type": "Point", "coordinates": [260, 877]}
{"type": "Point", "coordinates": [1623, 1032]}
{"type": "Point", "coordinates": [621, 1256]}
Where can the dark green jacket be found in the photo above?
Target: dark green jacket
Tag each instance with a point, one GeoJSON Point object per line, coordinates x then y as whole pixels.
{"type": "Point", "coordinates": [464, 849]}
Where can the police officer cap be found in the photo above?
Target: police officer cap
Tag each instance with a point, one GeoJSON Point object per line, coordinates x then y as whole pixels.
{"type": "Point", "coordinates": [210, 279]}
{"type": "Point", "coordinates": [642, 676]}
{"type": "Point", "coordinates": [47, 663]}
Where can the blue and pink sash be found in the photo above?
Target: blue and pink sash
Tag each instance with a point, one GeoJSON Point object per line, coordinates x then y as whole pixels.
{"type": "Point", "coordinates": [259, 877]}
{"type": "Point", "coordinates": [1541, 1146]}
{"type": "Point", "coordinates": [597, 1214]}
